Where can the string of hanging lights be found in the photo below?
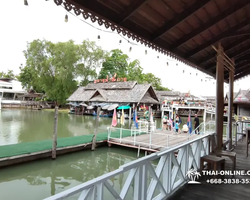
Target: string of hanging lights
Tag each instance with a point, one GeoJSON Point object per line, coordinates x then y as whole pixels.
{"type": "Point", "coordinates": [120, 41]}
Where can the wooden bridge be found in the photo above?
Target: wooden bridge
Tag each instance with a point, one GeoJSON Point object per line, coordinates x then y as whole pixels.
{"type": "Point", "coordinates": [154, 142]}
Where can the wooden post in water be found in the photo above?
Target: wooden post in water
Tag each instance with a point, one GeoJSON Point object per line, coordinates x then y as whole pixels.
{"type": "Point", "coordinates": [149, 116]}
{"type": "Point", "coordinates": [129, 119]}
{"type": "Point", "coordinates": [96, 128]}
{"type": "Point", "coordinates": [55, 133]}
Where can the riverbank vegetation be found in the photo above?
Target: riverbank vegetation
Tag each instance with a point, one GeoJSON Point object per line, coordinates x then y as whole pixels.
{"type": "Point", "coordinates": [57, 69]}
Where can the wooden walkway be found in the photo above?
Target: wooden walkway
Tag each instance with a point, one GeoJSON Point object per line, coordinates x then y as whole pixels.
{"type": "Point", "coordinates": [159, 140]}
{"type": "Point", "coordinates": [207, 191]}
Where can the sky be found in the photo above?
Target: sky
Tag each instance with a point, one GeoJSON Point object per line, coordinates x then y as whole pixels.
{"type": "Point", "coordinates": [45, 20]}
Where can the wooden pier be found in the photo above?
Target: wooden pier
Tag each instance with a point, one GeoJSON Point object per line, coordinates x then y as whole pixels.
{"type": "Point", "coordinates": [23, 152]}
{"type": "Point", "coordinates": [156, 141]}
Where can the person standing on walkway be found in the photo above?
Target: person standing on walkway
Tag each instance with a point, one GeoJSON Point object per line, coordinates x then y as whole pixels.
{"type": "Point", "coordinates": [196, 124]}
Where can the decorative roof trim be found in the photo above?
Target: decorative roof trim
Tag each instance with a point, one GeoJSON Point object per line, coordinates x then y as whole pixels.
{"type": "Point", "coordinates": [86, 13]}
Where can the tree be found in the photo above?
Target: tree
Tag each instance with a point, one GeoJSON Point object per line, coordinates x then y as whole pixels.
{"type": "Point", "coordinates": [155, 81]}
{"type": "Point", "coordinates": [10, 74]}
{"type": "Point", "coordinates": [135, 71]}
{"type": "Point", "coordinates": [91, 57]}
{"type": "Point", "coordinates": [29, 79]}
{"type": "Point", "coordinates": [51, 68]}
{"type": "Point", "coordinates": [117, 63]}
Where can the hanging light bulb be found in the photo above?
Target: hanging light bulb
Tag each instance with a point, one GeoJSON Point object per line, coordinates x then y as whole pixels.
{"type": "Point", "coordinates": [167, 63]}
{"type": "Point", "coordinates": [130, 49]}
{"type": "Point", "coordinates": [176, 64]}
{"type": "Point", "coordinates": [66, 19]}
{"type": "Point", "coordinates": [98, 37]}
{"type": "Point", "coordinates": [146, 52]}
{"type": "Point", "coordinates": [120, 41]}
{"type": "Point", "coordinates": [26, 2]}
{"type": "Point", "coordinates": [157, 56]}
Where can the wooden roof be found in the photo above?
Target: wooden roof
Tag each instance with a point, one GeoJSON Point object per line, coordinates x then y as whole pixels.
{"type": "Point", "coordinates": [182, 29]}
{"type": "Point", "coordinates": [111, 85]}
{"type": "Point", "coordinates": [100, 92]}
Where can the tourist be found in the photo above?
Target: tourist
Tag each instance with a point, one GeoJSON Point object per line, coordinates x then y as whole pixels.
{"type": "Point", "coordinates": [176, 126]}
{"type": "Point", "coordinates": [164, 121]}
{"type": "Point", "coordinates": [169, 124]}
{"type": "Point", "coordinates": [185, 128]}
{"type": "Point", "coordinates": [196, 124]}
{"type": "Point", "coordinates": [177, 118]}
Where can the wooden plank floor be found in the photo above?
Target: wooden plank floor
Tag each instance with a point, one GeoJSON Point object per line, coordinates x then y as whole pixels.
{"type": "Point", "coordinates": [159, 140]}
{"type": "Point", "coordinates": [207, 191]}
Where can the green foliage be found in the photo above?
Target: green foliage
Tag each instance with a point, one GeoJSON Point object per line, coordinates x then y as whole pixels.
{"type": "Point", "coordinates": [9, 74]}
{"type": "Point", "coordinates": [53, 68]}
{"type": "Point", "coordinates": [91, 57]}
{"type": "Point", "coordinates": [117, 63]}
{"type": "Point", "coordinates": [50, 67]}
{"type": "Point", "coordinates": [29, 79]}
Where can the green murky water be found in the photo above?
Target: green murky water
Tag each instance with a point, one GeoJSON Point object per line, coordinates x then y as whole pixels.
{"type": "Point", "coordinates": [40, 179]}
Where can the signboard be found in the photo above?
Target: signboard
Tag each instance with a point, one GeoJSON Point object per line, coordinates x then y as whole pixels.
{"type": "Point", "coordinates": [113, 79]}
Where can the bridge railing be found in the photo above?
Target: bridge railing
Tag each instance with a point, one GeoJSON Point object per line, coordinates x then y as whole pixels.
{"type": "Point", "coordinates": [156, 176]}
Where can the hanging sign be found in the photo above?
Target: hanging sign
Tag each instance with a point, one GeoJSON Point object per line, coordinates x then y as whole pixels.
{"type": "Point", "coordinates": [113, 79]}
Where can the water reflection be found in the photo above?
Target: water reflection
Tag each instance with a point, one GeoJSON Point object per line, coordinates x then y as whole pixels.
{"type": "Point", "coordinates": [40, 179]}
{"type": "Point", "coordinates": [18, 126]}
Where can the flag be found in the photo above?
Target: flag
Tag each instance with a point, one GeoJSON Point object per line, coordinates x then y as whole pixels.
{"type": "Point", "coordinates": [135, 119]}
{"type": "Point", "coordinates": [171, 122]}
{"type": "Point", "coordinates": [189, 123]}
{"type": "Point", "coordinates": [151, 117]}
{"type": "Point", "coordinates": [122, 118]}
{"type": "Point", "coordinates": [114, 119]}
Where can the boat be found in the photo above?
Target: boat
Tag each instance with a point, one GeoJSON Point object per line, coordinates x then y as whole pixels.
{"type": "Point", "coordinates": [103, 114]}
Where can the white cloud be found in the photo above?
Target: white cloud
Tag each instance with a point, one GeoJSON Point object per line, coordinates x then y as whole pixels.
{"type": "Point", "coordinates": [45, 20]}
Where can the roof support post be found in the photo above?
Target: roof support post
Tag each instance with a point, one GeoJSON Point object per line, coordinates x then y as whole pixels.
{"type": "Point", "coordinates": [219, 96]}
{"type": "Point", "coordinates": [230, 107]}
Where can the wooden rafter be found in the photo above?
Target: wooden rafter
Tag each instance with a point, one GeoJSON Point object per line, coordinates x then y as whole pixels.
{"type": "Point", "coordinates": [242, 73]}
{"type": "Point", "coordinates": [226, 48]}
{"type": "Point", "coordinates": [135, 5]}
{"type": "Point", "coordinates": [219, 37]}
{"type": "Point", "coordinates": [209, 24]}
{"type": "Point", "coordinates": [180, 17]}
{"type": "Point", "coordinates": [232, 55]}
{"type": "Point", "coordinates": [239, 67]}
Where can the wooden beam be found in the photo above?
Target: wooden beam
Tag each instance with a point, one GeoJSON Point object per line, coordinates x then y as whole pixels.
{"type": "Point", "coordinates": [99, 9]}
{"type": "Point", "coordinates": [219, 37]}
{"type": "Point", "coordinates": [219, 97]}
{"type": "Point", "coordinates": [239, 33]}
{"type": "Point", "coordinates": [230, 109]}
{"type": "Point", "coordinates": [227, 48]}
{"type": "Point", "coordinates": [239, 67]}
{"type": "Point", "coordinates": [232, 55]}
{"type": "Point", "coordinates": [134, 6]}
{"type": "Point", "coordinates": [179, 18]}
{"type": "Point", "coordinates": [242, 74]}
{"type": "Point", "coordinates": [209, 24]}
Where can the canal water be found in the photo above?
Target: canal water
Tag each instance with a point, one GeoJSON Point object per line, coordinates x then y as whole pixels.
{"type": "Point", "coordinates": [40, 179]}
{"type": "Point", "coordinates": [22, 125]}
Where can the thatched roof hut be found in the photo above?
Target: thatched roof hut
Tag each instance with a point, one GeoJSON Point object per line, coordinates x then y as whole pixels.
{"type": "Point", "coordinates": [116, 92]}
